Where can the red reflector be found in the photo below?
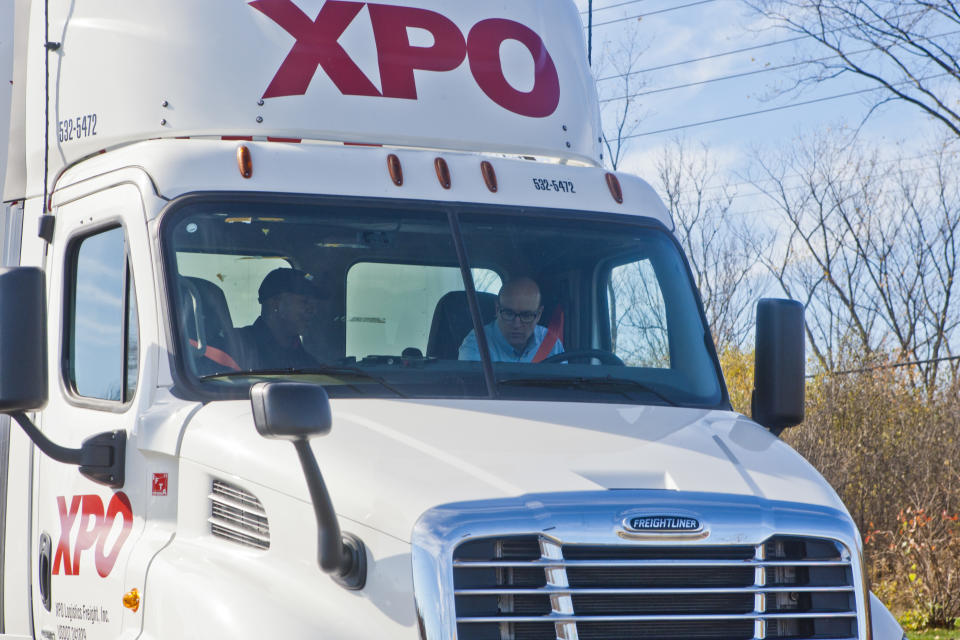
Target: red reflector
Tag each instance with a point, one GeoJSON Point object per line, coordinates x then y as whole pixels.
{"type": "Point", "coordinates": [245, 138]}
{"type": "Point", "coordinates": [489, 175]}
{"type": "Point", "coordinates": [294, 140]}
{"type": "Point", "coordinates": [614, 184]}
{"type": "Point", "coordinates": [396, 171]}
{"type": "Point", "coordinates": [244, 161]}
{"type": "Point", "coordinates": [443, 172]}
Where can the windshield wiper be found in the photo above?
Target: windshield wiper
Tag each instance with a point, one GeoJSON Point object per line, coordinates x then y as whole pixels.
{"type": "Point", "coordinates": [306, 371]}
{"type": "Point", "coordinates": [606, 383]}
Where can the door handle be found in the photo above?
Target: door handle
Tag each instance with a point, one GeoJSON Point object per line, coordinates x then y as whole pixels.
{"type": "Point", "coordinates": [46, 548]}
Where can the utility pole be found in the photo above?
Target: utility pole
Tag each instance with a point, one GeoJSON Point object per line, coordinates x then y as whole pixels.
{"type": "Point", "coordinates": [590, 32]}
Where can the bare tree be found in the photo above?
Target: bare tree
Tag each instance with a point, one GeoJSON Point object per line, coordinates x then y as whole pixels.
{"type": "Point", "coordinates": [723, 250]}
{"type": "Point", "coordinates": [934, 211]}
{"type": "Point", "coordinates": [638, 316]}
{"type": "Point", "coordinates": [908, 49]}
{"type": "Point", "coordinates": [870, 246]}
{"type": "Point", "coordinates": [618, 82]}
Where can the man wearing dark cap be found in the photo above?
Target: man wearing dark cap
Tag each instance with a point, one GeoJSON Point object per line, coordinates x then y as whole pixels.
{"type": "Point", "coordinates": [288, 299]}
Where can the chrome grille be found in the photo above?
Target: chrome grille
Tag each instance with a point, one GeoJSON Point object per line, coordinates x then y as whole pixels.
{"type": "Point", "coordinates": [532, 588]}
{"type": "Point", "coordinates": [237, 515]}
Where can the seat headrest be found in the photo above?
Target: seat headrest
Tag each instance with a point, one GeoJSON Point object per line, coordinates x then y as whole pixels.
{"type": "Point", "coordinates": [452, 322]}
{"type": "Point", "coordinates": [205, 299]}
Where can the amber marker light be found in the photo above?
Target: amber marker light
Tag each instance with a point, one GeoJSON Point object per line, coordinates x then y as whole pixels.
{"type": "Point", "coordinates": [614, 184]}
{"type": "Point", "coordinates": [443, 172]}
{"type": "Point", "coordinates": [244, 161]}
{"type": "Point", "coordinates": [131, 600]}
{"type": "Point", "coordinates": [396, 171]}
{"type": "Point", "coordinates": [489, 175]}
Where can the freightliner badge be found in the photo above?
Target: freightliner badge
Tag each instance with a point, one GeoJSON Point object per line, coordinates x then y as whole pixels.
{"type": "Point", "coordinates": [662, 523]}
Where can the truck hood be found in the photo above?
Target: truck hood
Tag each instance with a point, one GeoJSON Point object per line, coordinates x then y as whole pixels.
{"type": "Point", "coordinates": [387, 461]}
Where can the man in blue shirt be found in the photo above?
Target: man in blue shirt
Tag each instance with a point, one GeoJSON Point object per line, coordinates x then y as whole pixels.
{"type": "Point", "coordinates": [515, 335]}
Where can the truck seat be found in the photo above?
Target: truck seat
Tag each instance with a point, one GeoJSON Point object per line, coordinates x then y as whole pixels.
{"type": "Point", "coordinates": [452, 322]}
{"type": "Point", "coordinates": [212, 345]}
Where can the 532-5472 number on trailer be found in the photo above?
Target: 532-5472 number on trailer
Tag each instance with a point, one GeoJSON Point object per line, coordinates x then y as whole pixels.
{"type": "Point", "coordinates": [561, 186]}
{"type": "Point", "coordinates": [77, 128]}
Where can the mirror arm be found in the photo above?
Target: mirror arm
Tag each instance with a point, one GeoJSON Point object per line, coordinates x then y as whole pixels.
{"type": "Point", "coordinates": [101, 457]}
{"type": "Point", "coordinates": [47, 446]}
{"type": "Point", "coordinates": [342, 555]}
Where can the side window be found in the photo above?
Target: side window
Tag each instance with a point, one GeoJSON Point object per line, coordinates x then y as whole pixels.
{"type": "Point", "coordinates": [638, 318]}
{"type": "Point", "coordinates": [102, 350]}
{"type": "Point", "coordinates": [390, 306]}
{"type": "Point", "coordinates": [132, 344]}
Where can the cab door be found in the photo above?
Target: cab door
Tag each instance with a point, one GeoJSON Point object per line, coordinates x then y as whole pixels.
{"type": "Point", "coordinates": [98, 269]}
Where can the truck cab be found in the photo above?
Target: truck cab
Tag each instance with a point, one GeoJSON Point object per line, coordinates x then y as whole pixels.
{"type": "Point", "coordinates": [387, 224]}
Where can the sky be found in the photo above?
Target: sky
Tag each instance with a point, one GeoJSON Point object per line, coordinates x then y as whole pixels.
{"type": "Point", "coordinates": [670, 33]}
{"type": "Point", "coordinates": [6, 53]}
{"type": "Point", "coordinates": [673, 31]}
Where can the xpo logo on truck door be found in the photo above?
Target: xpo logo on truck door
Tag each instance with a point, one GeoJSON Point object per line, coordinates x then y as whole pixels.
{"type": "Point", "coordinates": [94, 526]}
{"type": "Point", "coordinates": [316, 46]}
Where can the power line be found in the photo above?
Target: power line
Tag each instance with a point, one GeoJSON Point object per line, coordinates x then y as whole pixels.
{"type": "Point", "coordinates": [742, 50]}
{"type": "Point", "coordinates": [780, 108]}
{"type": "Point", "coordinates": [884, 366]}
{"type": "Point", "coordinates": [727, 77]}
{"type": "Point", "coordinates": [733, 76]}
{"type": "Point", "coordinates": [750, 73]}
{"type": "Point", "coordinates": [653, 13]}
{"type": "Point", "coordinates": [702, 58]}
{"type": "Point", "coordinates": [750, 113]}
{"type": "Point", "coordinates": [613, 6]}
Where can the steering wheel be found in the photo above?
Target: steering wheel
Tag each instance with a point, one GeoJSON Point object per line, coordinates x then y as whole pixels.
{"type": "Point", "coordinates": [605, 357]}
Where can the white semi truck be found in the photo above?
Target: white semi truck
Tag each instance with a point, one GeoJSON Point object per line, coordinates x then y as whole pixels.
{"type": "Point", "coordinates": [227, 224]}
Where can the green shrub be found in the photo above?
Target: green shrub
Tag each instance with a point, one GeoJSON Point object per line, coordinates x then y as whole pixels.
{"type": "Point", "coordinates": [892, 452]}
{"type": "Point", "coordinates": [925, 549]}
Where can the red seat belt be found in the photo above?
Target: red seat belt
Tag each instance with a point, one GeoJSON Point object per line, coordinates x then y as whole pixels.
{"type": "Point", "coordinates": [554, 331]}
{"type": "Point", "coordinates": [218, 356]}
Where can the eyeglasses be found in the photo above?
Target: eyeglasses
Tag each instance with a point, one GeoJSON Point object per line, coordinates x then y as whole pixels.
{"type": "Point", "coordinates": [525, 317]}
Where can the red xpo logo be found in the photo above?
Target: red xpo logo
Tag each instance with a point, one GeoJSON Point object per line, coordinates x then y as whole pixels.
{"type": "Point", "coordinates": [93, 525]}
{"type": "Point", "coordinates": [316, 46]}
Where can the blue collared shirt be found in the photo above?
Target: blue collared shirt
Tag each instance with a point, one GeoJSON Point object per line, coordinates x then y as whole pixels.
{"type": "Point", "coordinates": [503, 351]}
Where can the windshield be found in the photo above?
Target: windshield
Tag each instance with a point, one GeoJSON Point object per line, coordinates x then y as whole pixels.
{"type": "Point", "coordinates": [375, 300]}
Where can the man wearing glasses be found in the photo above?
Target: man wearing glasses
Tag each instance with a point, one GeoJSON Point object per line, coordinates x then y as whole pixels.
{"type": "Point", "coordinates": [515, 335]}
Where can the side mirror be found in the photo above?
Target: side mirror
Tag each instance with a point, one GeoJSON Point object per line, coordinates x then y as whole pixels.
{"type": "Point", "coordinates": [780, 365]}
{"type": "Point", "coordinates": [296, 411]}
{"type": "Point", "coordinates": [23, 340]}
{"type": "Point", "coordinates": [290, 410]}
{"type": "Point", "coordinates": [23, 377]}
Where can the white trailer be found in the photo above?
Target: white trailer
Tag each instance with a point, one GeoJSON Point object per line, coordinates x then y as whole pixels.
{"type": "Point", "coordinates": [229, 224]}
